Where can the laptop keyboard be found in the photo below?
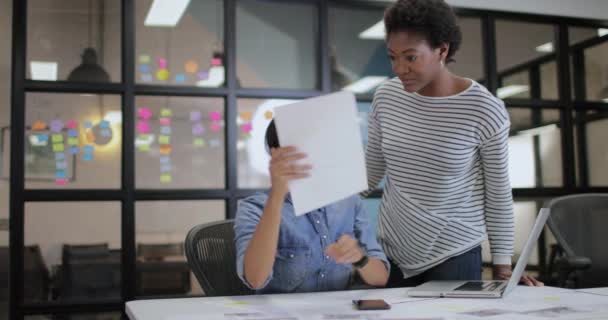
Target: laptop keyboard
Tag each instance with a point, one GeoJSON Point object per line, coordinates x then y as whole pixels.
{"type": "Point", "coordinates": [479, 286]}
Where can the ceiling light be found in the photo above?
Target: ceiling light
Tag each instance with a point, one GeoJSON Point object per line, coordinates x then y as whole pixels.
{"type": "Point", "coordinates": [375, 32]}
{"type": "Point", "coordinates": [602, 32]}
{"type": "Point", "coordinates": [165, 13]}
{"type": "Point", "coordinates": [365, 84]}
{"type": "Point", "coordinates": [114, 117]}
{"type": "Point", "coordinates": [511, 90]}
{"type": "Point", "coordinates": [538, 130]}
{"type": "Point", "coordinates": [43, 70]}
{"type": "Point", "coordinates": [546, 48]}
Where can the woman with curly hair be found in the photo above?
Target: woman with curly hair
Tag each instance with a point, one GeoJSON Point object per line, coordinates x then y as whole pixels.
{"type": "Point", "coordinates": [441, 141]}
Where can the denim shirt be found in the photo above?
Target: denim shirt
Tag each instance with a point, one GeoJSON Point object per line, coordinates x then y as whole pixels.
{"type": "Point", "coordinates": [301, 264]}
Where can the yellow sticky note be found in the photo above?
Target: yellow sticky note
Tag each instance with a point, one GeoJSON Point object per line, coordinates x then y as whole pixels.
{"type": "Point", "coordinates": [143, 147]}
{"type": "Point", "coordinates": [57, 138]}
{"type": "Point", "coordinates": [162, 74]}
{"type": "Point", "coordinates": [164, 139]}
{"type": "Point", "coordinates": [199, 142]}
{"type": "Point", "coordinates": [166, 112]}
{"type": "Point", "coordinates": [58, 147]}
{"type": "Point", "coordinates": [165, 178]}
{"type": "Point", "coordinates": [72, 141]}
{"type": "Point", "coordinates": [268, 115]}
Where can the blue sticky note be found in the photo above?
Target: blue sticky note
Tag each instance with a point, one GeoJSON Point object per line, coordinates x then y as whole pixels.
{"type": "Point", "coordinates": [87, 157]}
{"type": "Point", "coordinates": [104, 124]}
{"type": "Point", "coordinates": [146, 77]}
{"type": "Point", "coordinates": [43, 137]}
{"type": "Point", "coordinates": [61, 165]}
{"type": "Point", "coordinates": [74, 150]}
{"type": "Point", "coordinates": [144, 68]}
{"type": "Point", "coordinates": [88, 149]}
{"type": "Point", "coordinates": [180, 77]}
{"type": "Point", "coordinates": [165, 168]}
{"type": "Point", "coordinates": [72, 133]}
{"type": "Point", "coordinates": [59, 156]}
{"type": "Point", "coordinates": [88, 124]}
{"type": "Point", "coordinates": [165, 160]}
{"type": "Point", "coordinates": [60, 174]}
{"type": "Point", "coordinates": [165, 130]}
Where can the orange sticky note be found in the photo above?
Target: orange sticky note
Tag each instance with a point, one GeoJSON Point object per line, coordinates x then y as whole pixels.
{"type": "Point", "coordinates": [268, 115]}
{"type": "Point", "coordinates": [246, 116]}
{"type": "Point", "coordinates": [39, 126]}
{"type": "Point", "coordinates": [165, 149]}
{"type": "Point", "coordinates": [191, 66]}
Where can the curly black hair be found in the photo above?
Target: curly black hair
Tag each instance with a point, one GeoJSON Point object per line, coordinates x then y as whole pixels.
{"type": "Point", "coordinates": [433, 19]}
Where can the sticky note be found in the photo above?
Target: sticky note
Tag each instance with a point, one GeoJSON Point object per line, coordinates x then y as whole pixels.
{"type": "Point", "coordinates": [74, 150]}
{"type": "Point", "coordinates": [165, 178]}
{"type": "Point", "coordinates": [104, 124]}
{"type": "Point", "coordinates": [146, 77]}
{"type": "Point", "coordinates": [198, 129]}
{"type": "Point", "coordinates": [144, 68]}
{"type": "Point", "coordinates": [216, 62]}
{"type": "Point", "coordinates": [144, 58]}
{"type": "Point", "coordinates": [195, 116]}
{"type": "Point", "coordinates": [215, 116]}
{"type": "Point", "coordinates": [60, 165]}
{"type": "Point", "coordinates": [203, 75]}
{"type": "Point", "coordinates": [215, 126]}
{"type": "Point", "coordinates": [73, 133]}
{"type": "Point", "coordinates": [165, 159]}
{"type": "Point", "coordinates": [165, 130]}
{"type": "Point", "coordinates": [88, 124]}
{"type": "Point", "coordinates": [164, 139]}
{"type": "Point", "coordinates": [72, 141]}
{"type": "Point", "coordinates": [56, 138]}
{"type": "Point", "coordinates": [162, 74]}
{"type": "Point", "coordinates": [245, 116]}
{"type": "Point", "coordinates": [43, 138]}
{"type": "Point", "coordinates": [143, 127]}
{"type": "Point", "coordinates": [246, 127]}
{"type": "Point", "coordinates": [144, 113]}
{"type": "Point", "coordinates": [191, 66]}
{"type": "Point", "coordinates": [165, 168]}
{"type": "Point", "coordinates": [165, 121]}
{"type": "Point", "coordinates": [60, 174]}
{"type": "Point", "coordinates": [199, 142]}
{"type": "Point", "coordinates": [58, 147]}
{"type": "Point", "coordinates": [180, 78]}
{"type": "Point", "coordinates": [88, 149]}
{"type": "Point", "coordinates": [39, 126]}
{"type": "Point", "coordinates": [61, 182]}
{"type": "Point", "coordinates": [162, 63]}
{"type": "Point", "coordinates": [166, 112]}
{"type": "Point", "coordinates": [72, 124]}
{"type": "Point", "coordinates": [165, 149]}
{"type": "Point", "coordinates": [59, 156]}
{"type": "Point", "coordinates": [268, 115]}
{"type": "Point", "coordinates": [143, 147]}
{"type": "Point", "coordinates": [56, 125]}
{"type": "Point", "coordinates": [87, 157]}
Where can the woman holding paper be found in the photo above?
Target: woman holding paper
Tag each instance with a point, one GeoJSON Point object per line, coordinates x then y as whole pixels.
{"type": "Point", "coordinates": [441, 141]}
{"type": "Point", "coordinates": [278, 251]}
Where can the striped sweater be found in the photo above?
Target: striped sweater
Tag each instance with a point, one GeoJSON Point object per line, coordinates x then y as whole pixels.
{"type": "Point", "coordinates": [446, 164]}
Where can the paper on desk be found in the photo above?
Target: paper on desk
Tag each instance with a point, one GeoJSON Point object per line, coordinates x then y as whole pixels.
{"type": "Point", "coordinates": [327, 130]}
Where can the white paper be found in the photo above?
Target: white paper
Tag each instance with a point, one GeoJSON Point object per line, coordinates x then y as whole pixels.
{"type": "Point", "coordinates": [327, 130]}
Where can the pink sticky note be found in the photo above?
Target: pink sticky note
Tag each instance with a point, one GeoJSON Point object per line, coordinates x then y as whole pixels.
{"type": "Point", "coordinates": [216, 62]}
{"type": "Point", "coordinates": [61, 182]}
{"type": "Point", "coordinates": [71, 124]}
{"type": "Point", "coordinates": [144, 113]}
{"type": "Point", "coordinates": [246, 127]}
{"type": "Point", "coordinates": [162, 63]}
{"type": "Point", "coordinates": [143, 127]}
{"type": "Point", "coordinates": [215, 126]}
{"type": "Point", "coordinates": [215, 116]}
{"type": "Point", "coordinates": [165, 121]}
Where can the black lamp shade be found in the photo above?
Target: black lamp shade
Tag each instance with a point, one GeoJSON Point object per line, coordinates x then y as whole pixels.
{"type": "Point", "coordinates": [89, 70]}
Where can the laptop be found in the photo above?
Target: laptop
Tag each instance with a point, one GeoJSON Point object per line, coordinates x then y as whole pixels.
{"type": "Point", "coordinates": [484, 289]}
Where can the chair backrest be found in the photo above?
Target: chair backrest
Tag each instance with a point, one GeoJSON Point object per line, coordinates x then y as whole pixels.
{"type": "Point", "coordinates": [90, 271]}
{"type": "Point", "coordinates": [579, 223]}
{"type": "Point", "coordinates": [211, 254]}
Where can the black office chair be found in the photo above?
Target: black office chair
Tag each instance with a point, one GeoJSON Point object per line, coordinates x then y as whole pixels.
{"type": "Point", "coordinates": [158, 272]}
{"type": "Point", "coordinates": [579, 258]}
{"type": "Point", "coordinates": [211, 254]}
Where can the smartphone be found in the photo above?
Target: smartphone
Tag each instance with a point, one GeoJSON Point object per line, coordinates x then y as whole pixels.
{"type": "Point", "coordinates": [369, 304]}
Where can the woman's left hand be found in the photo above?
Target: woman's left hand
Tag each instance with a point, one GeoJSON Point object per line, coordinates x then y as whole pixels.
{"type": "Point", "coordinates": [345, 250]}
{"type": "Point", "coordinates": [503, 272]}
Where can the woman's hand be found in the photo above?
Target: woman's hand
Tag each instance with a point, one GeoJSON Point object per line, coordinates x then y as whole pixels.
{"type": "Point", "coordinates": [284, 167]}
{"type": "Point", "coordinates": [503, 272]}
{"type": "Point", "coordinates": [345, 250]}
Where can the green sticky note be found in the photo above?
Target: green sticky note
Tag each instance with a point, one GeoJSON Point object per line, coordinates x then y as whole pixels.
{"type": "Point", "coordinates": [58, 147]}
{"type": "Point", "coordinates": [164, 139]}
{"type": "Point", "coordinates": [73, 141]}
{"type": "Point", "coordinates": [57, 138]}
{"type": "Point", "coordinates": [144, 58]}
{"type": "Point", "coordinates": [166, 112]}
{"type": "Point", "coordinates": [199, 142]}
{"type": "Point", "coordinates": [165, 178]}
{"type": "Point", "coordinates": [143, 147]}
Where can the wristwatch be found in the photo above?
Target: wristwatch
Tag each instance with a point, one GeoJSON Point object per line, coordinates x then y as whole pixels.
{"type": "Point", "coordinates": [361, 263]}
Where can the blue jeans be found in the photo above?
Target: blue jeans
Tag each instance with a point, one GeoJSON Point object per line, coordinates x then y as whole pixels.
{"type": "Point", "coordinates": [466, 266]}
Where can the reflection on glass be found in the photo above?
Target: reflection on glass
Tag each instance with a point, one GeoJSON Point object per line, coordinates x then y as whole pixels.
{"type": "Point", "coordinates": [548, 81]}
{"type": "Point", "coordinates": [180, 44]}
{"type": "Point", "coordinates": [596, 72]}
{"type": "Point", "coordinates": [82, 263]}
{"type": "Point", "coordinates": [179, 142]}
{"type": "Point", "coordinates": [276, 44]}
{"type": "Point", "coordinates": [90, 52]}
{"type": "Point", "coordinates": [513, 49]}
{"type": "Point", "coordinates": [72, 141]}
{"type": "Point", "coordinates": [161, 227]}
{"type": "Point", "coordinates": [515, 86]}
{"type": "Point", "coordinates": [535, 149]}
{"type": "Point", "coordinates": [596, 129]}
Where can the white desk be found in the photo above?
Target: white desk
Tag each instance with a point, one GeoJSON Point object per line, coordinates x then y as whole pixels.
{"type": "Point", "coordinates": [522, 303]}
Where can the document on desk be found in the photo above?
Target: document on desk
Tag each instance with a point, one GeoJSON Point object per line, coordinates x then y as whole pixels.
{"type": "Point", "coordinates": [326, 128]}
